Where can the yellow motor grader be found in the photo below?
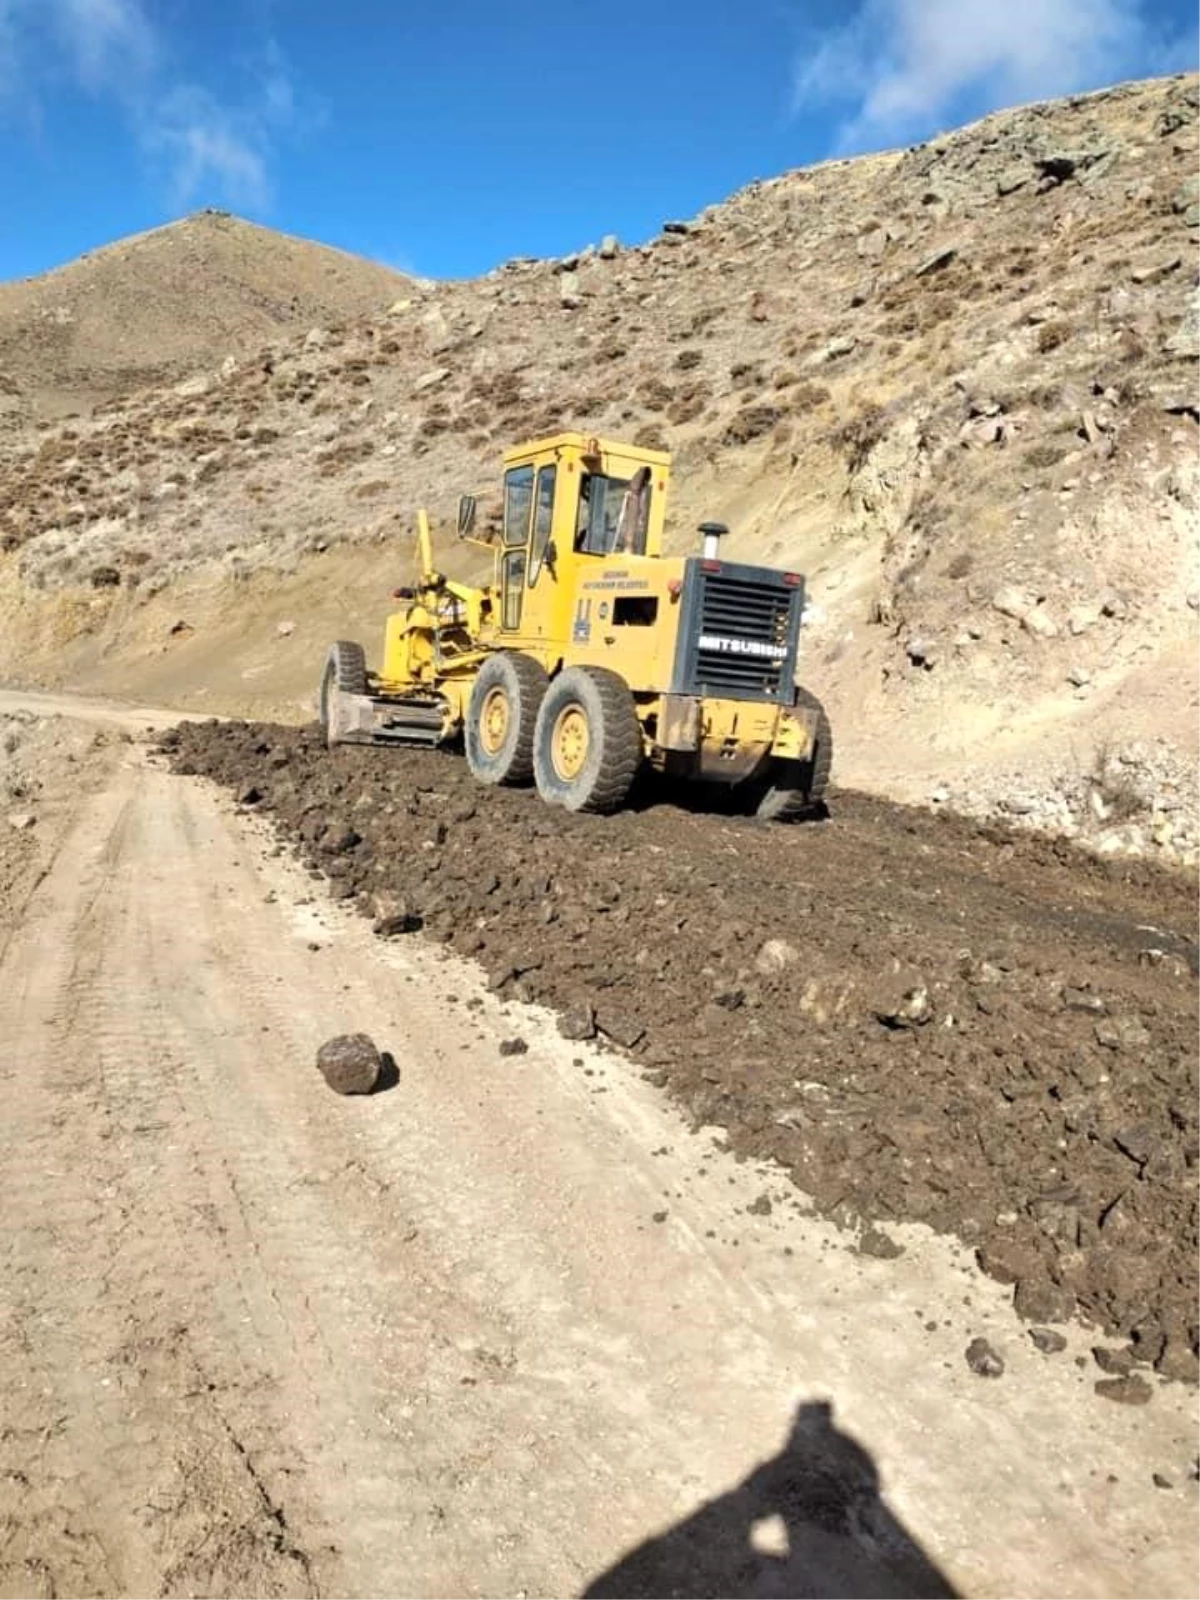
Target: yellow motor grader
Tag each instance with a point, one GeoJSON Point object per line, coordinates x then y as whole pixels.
{"type": "Point", "coordinates": [591, 652]}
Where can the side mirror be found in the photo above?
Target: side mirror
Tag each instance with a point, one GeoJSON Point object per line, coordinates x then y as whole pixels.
{"type": "Point", "coordinates": [466, 514]}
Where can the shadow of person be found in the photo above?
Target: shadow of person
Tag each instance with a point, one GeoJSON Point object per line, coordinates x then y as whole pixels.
{"type": "Point", "coordinates": [809, 1522]}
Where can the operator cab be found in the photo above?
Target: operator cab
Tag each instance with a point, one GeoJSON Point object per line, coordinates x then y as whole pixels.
{"type": "Point", "coordinates": [570, 500]}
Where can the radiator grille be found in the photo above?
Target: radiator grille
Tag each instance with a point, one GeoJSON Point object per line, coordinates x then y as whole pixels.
{"type": "Point", "coordinates": [744, 643]}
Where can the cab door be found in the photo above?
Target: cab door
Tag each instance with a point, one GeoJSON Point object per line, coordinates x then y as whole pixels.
{"type": "Point", "coordinates": [528, 526]}
{"type": "Point", "coordinates": [514, 555]}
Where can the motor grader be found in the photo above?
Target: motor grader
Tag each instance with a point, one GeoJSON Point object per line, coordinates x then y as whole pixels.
{"type": "Point", "coordinates": [590, 652]}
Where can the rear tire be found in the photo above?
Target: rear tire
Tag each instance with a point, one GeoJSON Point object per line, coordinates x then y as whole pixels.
{"type": "Point", "coordinates": [501, 718]}
{"type": "Point", "coordinates": [345, 673]}
{"type": "Point", "coordinates": [797, 788]}
{"type": "Point", "coordinates": [588, 743]}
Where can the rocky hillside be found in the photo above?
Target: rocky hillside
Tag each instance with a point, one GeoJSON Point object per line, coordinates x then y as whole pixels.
{"type": "Point", "coordinates": [153, 307]}
{"type": "Point", "coordinates": [956, 383]}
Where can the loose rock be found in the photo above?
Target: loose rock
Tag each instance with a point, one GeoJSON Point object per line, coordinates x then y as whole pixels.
{"type": "Point", "coordinates": [621, 1028]}
{"type": "Point", "coordinates": [874, 1242]}
{"type": "Point", "coordinates": [577, 1024]}
{"type": "Point", "coordinates": [1119, 1363]}
{"type": "Point", "coordinates": [1039, 1300]}
{"type": "Point", "coordinates": [1047, 1341]}
{"type": "Point", "coordinates": [393, 915]}
{"type": "Point", "coordinates": [983, 1360]}
{"type": "Point", "coordinates": [350, 1063]}
{"type": "Point", "coordinates": [1131, 1391]}
{"type": "Point", "coordinates": [775, 956]}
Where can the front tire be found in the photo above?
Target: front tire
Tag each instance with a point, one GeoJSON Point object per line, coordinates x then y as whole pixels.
{"type": "Point", "coordinates": [797, 788]}
{"type": "Point", "coordinates": [345, 673]}
{"type": "Point", "coordinates": [587, 747]}
{"type": "Point", "coordinates": [501, 718]}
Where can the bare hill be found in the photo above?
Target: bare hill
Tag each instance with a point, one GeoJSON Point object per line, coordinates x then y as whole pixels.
{"type": "Point", "coordinates": [160, 304]}
{"type": "Point", "coordinates": [955, 383]}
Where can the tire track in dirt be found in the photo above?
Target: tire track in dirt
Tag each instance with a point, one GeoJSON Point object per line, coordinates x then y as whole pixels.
{"type": "Point", "coordinates": [143, 1461]}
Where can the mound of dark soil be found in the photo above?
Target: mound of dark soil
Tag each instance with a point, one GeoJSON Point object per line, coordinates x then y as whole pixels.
{"type": "Point", "coordinates": [917, 1017]}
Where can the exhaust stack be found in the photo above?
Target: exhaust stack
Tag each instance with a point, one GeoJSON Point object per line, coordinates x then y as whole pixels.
{"type": "Point", "coordinates": [713, 533]}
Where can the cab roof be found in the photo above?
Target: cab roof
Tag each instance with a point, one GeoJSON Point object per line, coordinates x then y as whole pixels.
{"type": "Point", "coordinates": [585, 444]}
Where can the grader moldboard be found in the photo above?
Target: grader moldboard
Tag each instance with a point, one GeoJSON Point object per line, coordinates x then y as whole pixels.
{"type": "Point", "coordinates": [590, 652]}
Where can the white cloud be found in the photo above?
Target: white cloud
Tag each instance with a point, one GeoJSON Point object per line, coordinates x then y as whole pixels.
{"type": "Point", "coordinates": [111, 44]}
{"type": "Point", "coordinates": [901, 66]}
{"type": "Point", "coordinates": [208, 146]}
{"type": "Point", "coordinates": [203, 145]}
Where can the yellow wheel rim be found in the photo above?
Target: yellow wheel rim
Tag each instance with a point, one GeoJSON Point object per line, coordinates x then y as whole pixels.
{"type": "Point", "coordinates": [493, 722]}
{"type": "Point", "coordinates": [569, 745]}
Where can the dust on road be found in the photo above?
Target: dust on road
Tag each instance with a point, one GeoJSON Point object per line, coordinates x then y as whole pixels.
{"type": "Point", "coordinates": [506, 1327]}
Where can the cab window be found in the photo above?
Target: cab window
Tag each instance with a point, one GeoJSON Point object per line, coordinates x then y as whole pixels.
{"type": "Point", "coordinates": [543, 518]}
{"type": "Point", "coordinates": [512, 587]}
{"type": "Point", "coordinates": [518, 503]}
{"type": "Point", "coordinates": [613, 514]}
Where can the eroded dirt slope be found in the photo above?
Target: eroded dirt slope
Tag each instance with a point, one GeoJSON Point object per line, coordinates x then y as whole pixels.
{"type": "Point", "coordinates": [920, 1018]}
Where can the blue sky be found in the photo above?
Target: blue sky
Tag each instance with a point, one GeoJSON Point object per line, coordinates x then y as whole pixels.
{"type": "Point", "coordinates": [445, 137]}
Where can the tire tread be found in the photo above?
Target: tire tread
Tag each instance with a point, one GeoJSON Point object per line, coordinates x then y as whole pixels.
{"type": "Point", "coordinates": [782, 805]}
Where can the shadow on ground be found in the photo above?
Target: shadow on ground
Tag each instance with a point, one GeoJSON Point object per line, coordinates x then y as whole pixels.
{"type": "Point", "coordinates": [809, 1522]}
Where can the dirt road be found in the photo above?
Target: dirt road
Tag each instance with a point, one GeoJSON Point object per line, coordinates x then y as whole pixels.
{"type": "Point", "coordinates": [494, 1331]}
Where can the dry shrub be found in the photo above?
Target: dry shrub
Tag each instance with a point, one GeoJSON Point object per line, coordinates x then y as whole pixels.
{"type": "Point", "coordinates": [704, 318]}
{"type": "Point", "coordinates": [859, 434]}
{"type": "Point", "coordinates": [751, 423]}
{"type": "Point", "coordinates": [505, 389]}
{"type": "Point", "coordinates": [343, 455]}
{"type": "Point", "coordinates": [1051, 335]}
{"type": "Point", "coordinates": [687, 360]}
{"type": "Point", "coordinates": [687, 405]}
{"type": "Point", "coordinates": [656, 394]}
{"type": "Point", "coordinates": [1129, 346]}
{"type": "Point", "coordinates": [808, 396]}
{"type": "Point", "coordinates": [650, 437]}
{"type": "Point", "coordinates": [1117, 786]}
{"type": "Point", "coordinates": [1043, 456]}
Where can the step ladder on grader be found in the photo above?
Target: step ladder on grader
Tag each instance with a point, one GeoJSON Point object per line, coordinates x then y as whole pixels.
{"type": "Point", "coordinates": [590, 652]}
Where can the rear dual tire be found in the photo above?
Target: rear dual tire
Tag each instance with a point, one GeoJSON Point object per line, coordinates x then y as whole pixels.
{"type": "Point", "coordinates": [797, 788]}
{"type": "Point", "coordinates": [587, 745]}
